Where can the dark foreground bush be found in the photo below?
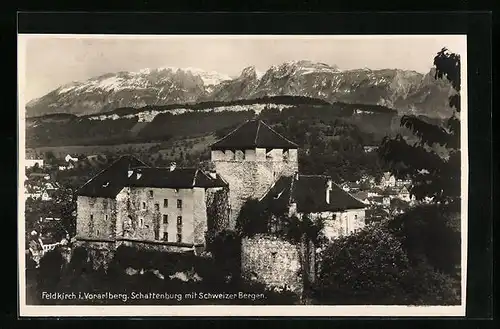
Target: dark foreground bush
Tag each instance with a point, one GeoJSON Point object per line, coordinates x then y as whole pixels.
{"type": "Point", "coordinates": [372, 268]}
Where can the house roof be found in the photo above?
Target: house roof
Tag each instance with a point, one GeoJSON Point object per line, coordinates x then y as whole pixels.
{"type": "Point", "coordinates": [390, 191]}
{"type": "Point", "coordinates": [309, 192]}
{"type": "Point", "coordinates": [361, 195]}
{"type": "Point", "coordinates": [51, 192]}
{"type": "Point", "coordinates": [252, 134]}
{"type": "Point", "coordinates": [177, 178]}
{"type": "Point", "coordinates": [278, 196]}
{"type": "Point", "coordinates": [109, 182]}
{"type": "Point", "coordinates": [113, 179]}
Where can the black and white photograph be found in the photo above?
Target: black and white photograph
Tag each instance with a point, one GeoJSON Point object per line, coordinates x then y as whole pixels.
{"type": "Point", "coordinates": [242, 174]}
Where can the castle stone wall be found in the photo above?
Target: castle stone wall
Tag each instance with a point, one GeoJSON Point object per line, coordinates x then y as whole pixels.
{"type": "Point", "coordinates": [100, 253]}
{"type": "Point", "coordinates": [253, 175]}
{"type": "Point", "coordinates": [271, 261]}
{"type": "Point", "coordinates": [96, 217]}
{"type": "Point", "coordinates": [341, 223]}
{"type": "Point", "coordinates": [132, 214]}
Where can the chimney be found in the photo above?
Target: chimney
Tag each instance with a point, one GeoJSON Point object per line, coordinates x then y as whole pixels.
{"type": "Point", "coordinates": [328, 190]}
{"type": "Point", "coordinates": [172, 166]}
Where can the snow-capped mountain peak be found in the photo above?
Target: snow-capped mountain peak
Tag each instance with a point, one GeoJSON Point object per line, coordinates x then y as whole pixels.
{"type": "Point", "coordinates": [172, 85]}
{"type": "Point", "coordinates": [209, 78]}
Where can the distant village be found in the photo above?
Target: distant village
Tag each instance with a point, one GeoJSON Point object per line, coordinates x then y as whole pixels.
{"type": "Point", "coordinates": [171, 208]}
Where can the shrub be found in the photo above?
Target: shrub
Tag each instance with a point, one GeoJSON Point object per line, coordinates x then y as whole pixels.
{"type": "Point", "coordinates": [50, 270]}
{"type": "Point", "coordinates": [427, 234]}
{"type": "Point", "coordinates": [226, 249]}
{"type": "Point", "coordinates": [372, 267]}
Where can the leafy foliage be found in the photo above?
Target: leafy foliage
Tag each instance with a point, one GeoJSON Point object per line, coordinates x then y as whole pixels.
{"type": "Point", "coordinates": [372, 267]}
{"type": "Point", "coordinates": [433, 161]}
{"type": "Point", "coordinates": [429, 233]}
{"type": "Point", "coordinates": [253, 218]}
{"type": "Point", "coordinates": [256, 218]}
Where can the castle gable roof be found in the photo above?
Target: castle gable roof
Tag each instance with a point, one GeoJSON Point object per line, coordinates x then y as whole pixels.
{"type": "Point", "coordinates": [309, 193]}
{"type": "Point", "coordinates": [130, 172]}
{"type": "Point", "coordinates": [109, 182]}
{"type": "Point", "coordinates": [253, 134]}
{"type": "Point", "coordinates": [277, 197]}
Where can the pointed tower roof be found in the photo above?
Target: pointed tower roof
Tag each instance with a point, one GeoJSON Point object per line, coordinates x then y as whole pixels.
{"type": "Point", "coordinates": [252, 134]}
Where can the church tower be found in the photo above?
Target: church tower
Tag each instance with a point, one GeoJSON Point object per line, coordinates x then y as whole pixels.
{"type": "Point", "coordinates": [251, 159]}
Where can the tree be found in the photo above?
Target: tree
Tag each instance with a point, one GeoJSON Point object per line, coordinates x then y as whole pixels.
{"type": "Point", "coordinates": [433, 161]}
{"type": "Point", "coordinates": [50, 158]}
{"type": "Point", "coordinates": [253, 218]}
{"type": "Point", "coordinates": [430, 234]}
{"type": "Point", "coordinates": [372, 267]}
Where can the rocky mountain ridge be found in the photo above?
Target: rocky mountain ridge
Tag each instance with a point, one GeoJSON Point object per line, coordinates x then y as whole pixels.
{"type": "Point", "coordinates": [406, 91]}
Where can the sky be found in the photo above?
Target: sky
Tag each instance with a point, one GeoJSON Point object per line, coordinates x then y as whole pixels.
{"type": "Point", "coordinates": [49, 61]}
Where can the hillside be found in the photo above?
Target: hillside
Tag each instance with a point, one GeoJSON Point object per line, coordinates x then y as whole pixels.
{"type": "Point", "coordinates": [407, 91]}
{"type": "Point", "coordinates": [161, 123]}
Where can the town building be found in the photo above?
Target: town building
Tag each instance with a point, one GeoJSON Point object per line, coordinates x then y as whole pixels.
{"type": "Point", "coordinates": [387, 180]}
{"type": "Point", "coordinates": [29, 163]}
{"type": "Point", "coordinates": [160, 208]}
{"type": "Point", "coordinates": [320, 198]}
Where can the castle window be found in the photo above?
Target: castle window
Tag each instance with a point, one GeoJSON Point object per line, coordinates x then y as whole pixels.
{"type": "Point", "coordinates": [97, 232]}
{"type": "Point", "coordinates": [157, 207]}
{"type": "Point", "coordinates": [141, 222]}
{"type": "Point", "coordinates": [273, 256]}
{"type": "Point", "coordinates": [144, 205]}
{"type": "Point", "coordinates": [165, 219]}
{"type": "Point", "coordinates": [179, 228]}
{"type": "Point", "coordinates": [165, 236]}
{"type": "Point", "coordinates": [106, 217]}
{"type": "Point", "coordinates": [165, 203]}
{"type": "Point", "coordinates": [151, 193]}
{"type": "Point", "coordinates": [179, 203]}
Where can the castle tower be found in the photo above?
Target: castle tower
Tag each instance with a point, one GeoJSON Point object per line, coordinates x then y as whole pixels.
{"type": "Point", "coordinates": [251, 159]}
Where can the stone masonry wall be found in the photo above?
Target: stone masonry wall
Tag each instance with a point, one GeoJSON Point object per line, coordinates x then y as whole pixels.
{"type": "Point", "coordinates": [341, 223]}
{"type": "Point", "coordinates": [239, 175]}
{"type": "Point", "coordinates": [199, 216]}
{"type": "Point", "coordinates": [96, 217]}
{"type": "Point", "coordinates": [100, 253]}
{"type": "Point", "coordinates": [217, 200]}
{"type": "Point", "coordinates": [251, 176]}
{"type": "Point", "coordinates": [271, 261]}
{"type": "Point", "coordinates": [153, 246]}
{"type": "Point", "coordinates": [136, 205]}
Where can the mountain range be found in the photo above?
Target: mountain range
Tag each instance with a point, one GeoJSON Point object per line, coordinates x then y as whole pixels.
{"type": "Point", "coordinates": [403, 90]}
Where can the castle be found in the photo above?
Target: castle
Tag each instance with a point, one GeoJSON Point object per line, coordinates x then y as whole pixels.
{"type": "Point", "coordinates": [173, 208]}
